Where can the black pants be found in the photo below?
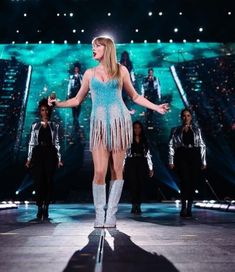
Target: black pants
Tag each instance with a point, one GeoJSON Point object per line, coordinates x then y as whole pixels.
{"type": "Point", "coordinates": [76, 112]}
{"type": "Point", "coordinates": [188, 169]}
{"type": "Point", "coordinates": [136, 170]}
{"type": "Point", "coordinates": [44, 162]}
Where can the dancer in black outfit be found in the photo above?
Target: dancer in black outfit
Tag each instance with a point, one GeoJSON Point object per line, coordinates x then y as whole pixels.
{"type": "Point", "coordinates": [187, 155]}
{"type": "Point", "coordinates": [138, 165]}
{"type": "Point", "coordinates": [43, 157]}
{"type": "Point", "coordinates": [75, 82]}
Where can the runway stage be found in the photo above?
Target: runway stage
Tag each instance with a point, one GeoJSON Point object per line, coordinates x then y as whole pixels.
{"type": "Point", "coordinates": [157, 240]}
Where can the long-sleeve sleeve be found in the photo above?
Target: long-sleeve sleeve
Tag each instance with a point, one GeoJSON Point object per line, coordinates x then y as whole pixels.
{"type": "Point", "coordinates": [158, 89]}
{"type": "Point", "coordinates": [202, 148]}
{"type": "Point", "coordinates": [171, 148]}
{"type": "Point", "coordinates": [31, 143]}
{"type": "Point", "coordinates": [57, 142]}
{"type": "Point", "coordinates": [149, 160]}
{"type": "Point", "coordinates": [69, 86]}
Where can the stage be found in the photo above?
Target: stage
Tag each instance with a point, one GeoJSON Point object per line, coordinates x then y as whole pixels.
{"type": "Point", "coordinates": [157, 240]}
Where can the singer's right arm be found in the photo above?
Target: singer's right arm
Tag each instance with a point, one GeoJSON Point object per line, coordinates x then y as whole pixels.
{"type": "Point", "coordinates": [82, 92]}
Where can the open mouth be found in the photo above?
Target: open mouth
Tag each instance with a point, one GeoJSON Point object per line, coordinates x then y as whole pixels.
{"type": "Point", "coordinates": [94, 54]}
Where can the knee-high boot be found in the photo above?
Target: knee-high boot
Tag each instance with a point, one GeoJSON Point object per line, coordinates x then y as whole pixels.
{"type": "Point", "coordinates": [183, 212]}
{"type": "Point", "coordinates": [99, 197]}
{"type": "Point", "coordinates": [189, 208]}
{"type": "Point", "coordinates": [114, 197]}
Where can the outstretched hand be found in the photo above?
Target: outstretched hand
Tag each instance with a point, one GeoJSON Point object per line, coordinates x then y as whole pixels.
{"type": "Point", "coordinates": [162, 108]}
{"type": "Point", "coordinates": [51, 102]}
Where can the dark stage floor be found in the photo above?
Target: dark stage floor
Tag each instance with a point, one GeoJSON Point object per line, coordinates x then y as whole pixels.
{"type": "Point", "coordinates": [158, 240]}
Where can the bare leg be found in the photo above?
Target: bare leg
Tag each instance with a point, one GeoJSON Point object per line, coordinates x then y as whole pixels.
{"type": "Point", "coordinates": [118, 159]}
{"type": "Point", "coordinates": [100, 159]}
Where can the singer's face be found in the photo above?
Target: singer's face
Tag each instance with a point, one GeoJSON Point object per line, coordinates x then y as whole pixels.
{"type": "Point", "coordinates": [98, 51]}
{"type": "Point", "coordinates": [44, 112]}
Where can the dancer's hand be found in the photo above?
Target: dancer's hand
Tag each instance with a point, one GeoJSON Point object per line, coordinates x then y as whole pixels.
{"type": "Point", "coordinates": [151, 173]}
{"type": "Point", "coordinates": [162, 108]}
{"type": "Point", "coordinates": [60, 164]}
{"type": "Point", "coordinates": [203, 167]}
{"type": "Point", "coordinates": [132, 111]}
{"type": "Point", "coordinates": [171, 166]}
{"type": "Point", "coordinates": [27, 164]}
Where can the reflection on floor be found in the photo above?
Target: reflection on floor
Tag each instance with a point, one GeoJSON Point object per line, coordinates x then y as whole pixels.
{"type": "Point", "coordinates": [157, 240]}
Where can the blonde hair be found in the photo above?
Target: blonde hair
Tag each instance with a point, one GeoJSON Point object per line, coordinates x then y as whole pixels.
{"type": "Point", "coordinates": [110, 58]}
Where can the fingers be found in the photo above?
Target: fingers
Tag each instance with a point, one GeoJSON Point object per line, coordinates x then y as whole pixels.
{"type": "Point", "coordinates": [165, 107]}
{"type": "Point", "coordinates": [51, 102]}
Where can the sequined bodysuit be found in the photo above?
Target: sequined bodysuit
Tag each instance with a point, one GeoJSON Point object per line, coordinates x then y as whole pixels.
{"type": "Point", "coordinates": [110, 123]}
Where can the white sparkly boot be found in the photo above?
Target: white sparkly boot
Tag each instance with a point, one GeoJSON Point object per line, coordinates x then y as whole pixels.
{"type": "Point", "coordinates": [99, 197]}
{"type": "Point", "coordinates": [114, 197]}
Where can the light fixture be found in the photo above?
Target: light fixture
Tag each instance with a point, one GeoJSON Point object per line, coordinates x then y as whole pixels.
{"type": "Point", "coordinates": [158, 41]}
{"type": "Point", "coordinates": [17, 31]}
{"type": "Point", "coordinates": [52, 41]}
{"type": "Point", "coordinates": [82, 30]}
{"type": "Point", "coordinates": [136, 30]}
{"type": "Point", "coordinates": [79, 42]}
{"type": "Point", "coordinates": [176, 29]}
{"type": "Point", "coordinates": [40, 42]}
{"type": "Point", "coordinates": [184, 41]}
{"type": "Point", "coordinates": [150, 13]}
{"type": "Point", "coordinates": [17, 192]}
{"type": "Point", "coordinates": [109, 14]}
{"type": "Point", "coordinates": [74, 30]}
{"type": "Point", "coordinates": [160, 13]}
{"type": "Point", "coordinates": [71, 14]}
{"type": "Point", "coordinates": [58, 14]}
{"type": "Point", "coordinates": [132, 41]}
{"type": "Point", "coordinates": [25, 14]}
{"type": "Point", "coordinates": [65, 42]}
{"type": "Point", "coordinates": [200, 29]}
{"type": "Point", "coordinates": [229, 12]}
{"type": "Point", "coordinates": [180, 13]}
{"type": "Point", "coordinates": [198, 40]}
{"type": "Point", "coordinates": [145, 41]}
{"type": "Point", "coordinates": [171, 41]}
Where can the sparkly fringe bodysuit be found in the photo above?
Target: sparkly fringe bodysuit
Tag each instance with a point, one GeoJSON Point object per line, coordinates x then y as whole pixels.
{"type": "Point", "coordinates": [110, 123]}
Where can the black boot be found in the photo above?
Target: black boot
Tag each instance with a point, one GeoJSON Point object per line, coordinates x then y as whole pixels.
{"type": "Point", "coordinates": [189, 208]}
{"type": "Point", "coordinates": [40, 212]}
{"type": "Point", "coordinates": [183, 212]}
{"type": "Point", "coordinates": [133, 209]}
{"type": "Point", "coordinates": [45, 211]}
{"type": "Point", "coordinates": [138, 209]}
